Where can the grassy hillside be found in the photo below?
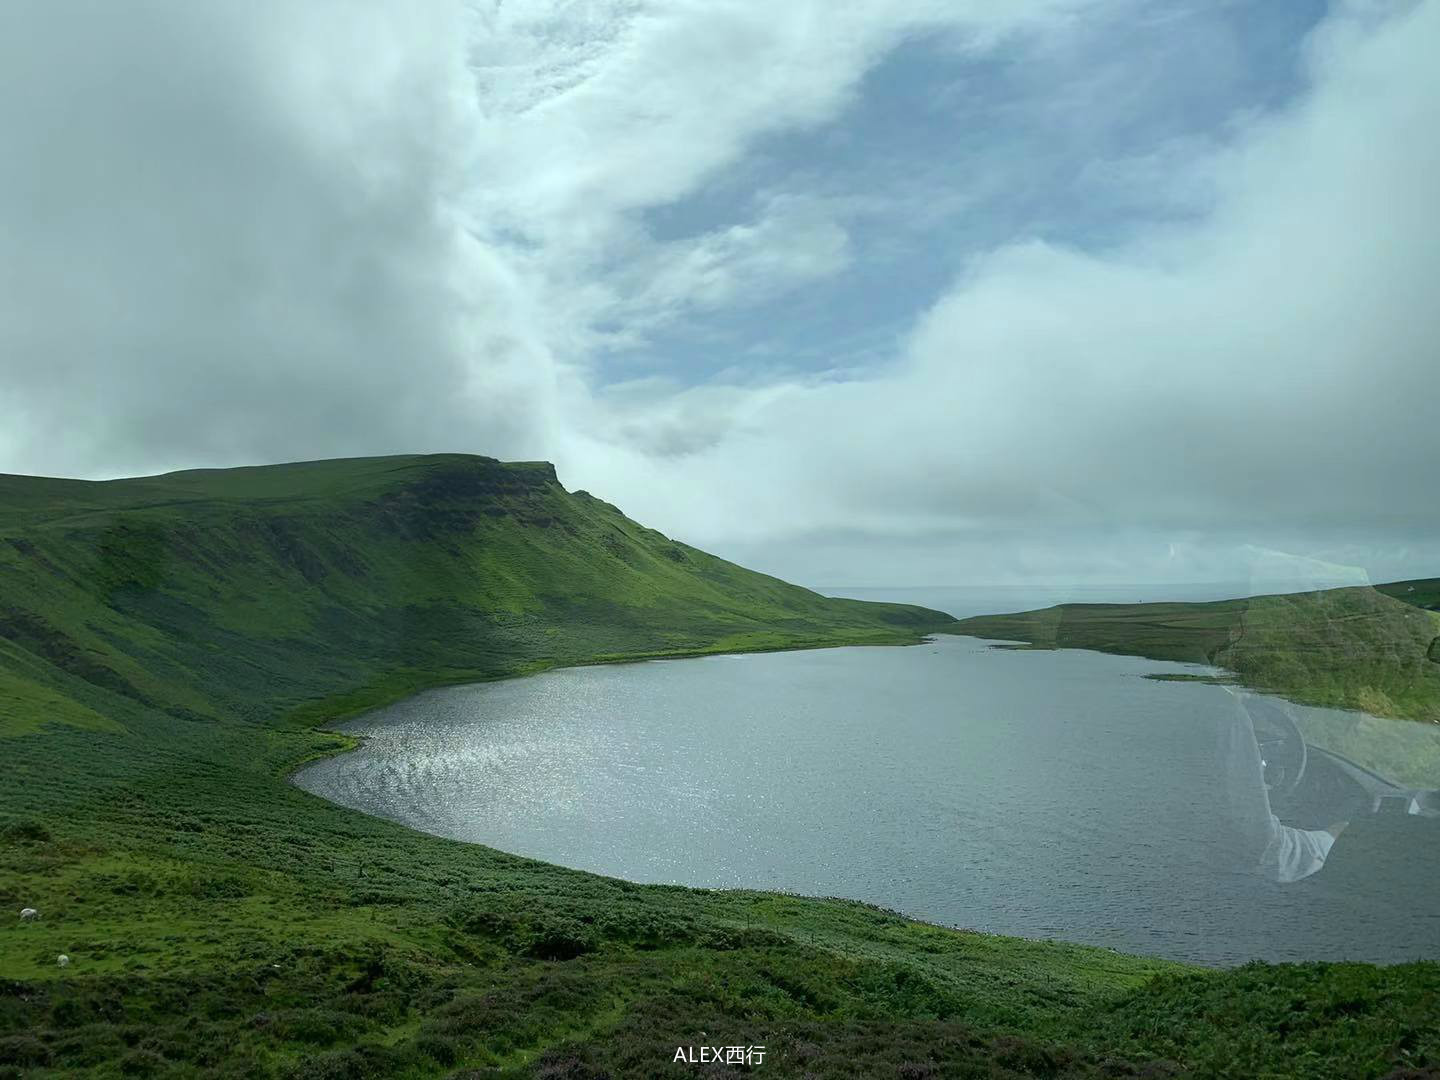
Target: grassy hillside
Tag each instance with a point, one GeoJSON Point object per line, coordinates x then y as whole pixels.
{"type": "Point", "coordinates": [167, 648]}
{"type": "Point", "coordinates": [1424, 592]}
{"type": "Point", "coordinates": [263, 593]}
{"type": "Point", "coordinates": [1373, 649]}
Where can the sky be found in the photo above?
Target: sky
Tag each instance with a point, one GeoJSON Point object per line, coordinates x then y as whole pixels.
{"type": "Point", "coordinates": [894, 292]}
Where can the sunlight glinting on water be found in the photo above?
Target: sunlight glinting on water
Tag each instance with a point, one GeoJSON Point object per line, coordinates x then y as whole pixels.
{"type": "Point", "coordinates": [1042, 794]}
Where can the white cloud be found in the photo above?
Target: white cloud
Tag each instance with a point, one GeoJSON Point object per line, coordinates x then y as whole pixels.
{"type": "Point", "coordinates": [227, 235]}
{"type": "Point", "coordinates": [634, 104]}
{"type": "Point", "coordinates": [591, 114]}
{"type": "Point", "coordinates": [793, 241]}
{"type": "Point", "coordinates": [1269, 369]}
{"type": "Point", "coordinates": [240, 232]}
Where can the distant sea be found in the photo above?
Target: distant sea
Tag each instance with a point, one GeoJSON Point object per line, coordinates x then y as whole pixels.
{"type": "Point", "coordinates": [963, 601]}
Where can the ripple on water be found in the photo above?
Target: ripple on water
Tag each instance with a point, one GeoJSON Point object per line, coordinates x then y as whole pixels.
{"type": "Point", "coordinates": [1046, 794]}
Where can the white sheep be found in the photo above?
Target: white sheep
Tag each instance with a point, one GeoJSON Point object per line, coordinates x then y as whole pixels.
{"type": "Point", "coordinates": [28, 913]}
{"type": "Point", "coordinates": [63, 960]}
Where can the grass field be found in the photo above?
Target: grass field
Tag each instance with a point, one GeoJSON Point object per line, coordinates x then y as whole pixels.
{"type": "Point", "coordinates": [170, 648]}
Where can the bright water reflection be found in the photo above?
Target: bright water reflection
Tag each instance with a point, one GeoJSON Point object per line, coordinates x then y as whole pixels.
{"type": "Point", "coordinates": [1054, 794]}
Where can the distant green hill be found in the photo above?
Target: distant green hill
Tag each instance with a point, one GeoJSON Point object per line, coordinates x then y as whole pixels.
{"type": "Point", "coordinates": [1423, 592]}
{"type": "Point", "coordinates": [168, 647]}
{"type": "Point", "coordinates": [1373, 649]}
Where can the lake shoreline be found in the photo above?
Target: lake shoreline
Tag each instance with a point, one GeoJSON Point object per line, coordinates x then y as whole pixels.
{"type": "Point", "coordinates": [498, 796]}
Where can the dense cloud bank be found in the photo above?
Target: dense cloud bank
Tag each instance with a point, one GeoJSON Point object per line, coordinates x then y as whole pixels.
{"type": "Point", "coordinates": [235, 233]}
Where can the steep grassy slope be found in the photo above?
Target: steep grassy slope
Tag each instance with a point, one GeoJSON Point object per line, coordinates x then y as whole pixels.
{"type": "Point", "coordinates": [167, 646]}
{"type": "Point", "coordinates": [254, 592]}
{"type": "Point", "coordinates": [1377, 650]}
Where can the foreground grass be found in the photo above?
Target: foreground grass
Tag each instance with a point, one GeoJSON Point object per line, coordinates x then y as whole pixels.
{"type": "Point", "coordinates": [224, 923]}
{"type": "Point", "coordinates": [167, 648]}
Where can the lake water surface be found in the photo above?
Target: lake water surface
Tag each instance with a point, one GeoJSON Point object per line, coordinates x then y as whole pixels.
{"type": "Point", "coordinates": [1045, 794]}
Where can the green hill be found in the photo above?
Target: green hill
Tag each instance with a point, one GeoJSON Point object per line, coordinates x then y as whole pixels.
{"type": "Point", "coordinates": [264, 593]}
{"type": "Point", "coordinates": [1423, 592]}
{"type": "Point", "coordinates": [168, 648]}
{"type": "Point", "coordinates": [1373, 649]}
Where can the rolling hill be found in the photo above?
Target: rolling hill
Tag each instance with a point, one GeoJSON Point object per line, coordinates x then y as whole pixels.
{"type": "Point", "coordinates": [263, 593]}
{"type": "Point", "coordinates": [170, 650]}
{"type": "Point", "coordinates": [1372, 649]}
